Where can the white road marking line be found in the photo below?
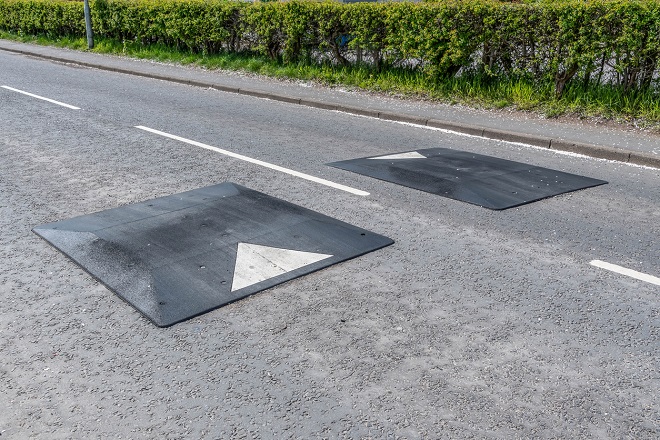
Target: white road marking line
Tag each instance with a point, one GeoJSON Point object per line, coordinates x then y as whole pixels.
{"type": "Point", "coordinates": [522, 144]}
{"type": "Point", "coordinates": [41, 97]}
{"type": "Point", "coordinates": [258, 162]}
{"type": "Point", "coordinates": [625, 271]}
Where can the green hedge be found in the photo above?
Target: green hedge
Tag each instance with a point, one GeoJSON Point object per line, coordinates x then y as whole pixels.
{"type": "Point", "coordinates": [593, 41]}
{"type": "Point", "coordinates": [42, 17]}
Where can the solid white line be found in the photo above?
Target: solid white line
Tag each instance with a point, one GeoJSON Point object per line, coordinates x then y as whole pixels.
{"type": "Point", "coordinates": [522, 144]}
{"type": "Point", "coordinates": [624, 271]}
{"type": "Point", "coordinates": [41, 97]}
{"type": "Point", "coordinates": [258, 162]}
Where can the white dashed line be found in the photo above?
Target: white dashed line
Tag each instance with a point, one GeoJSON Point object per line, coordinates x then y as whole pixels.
{"type": "Point", "coordinates": [625, 271]}
{"type": "Point", "coordinates": [258, 162]}
{"type": "Point", "coordinates": [41, 97]}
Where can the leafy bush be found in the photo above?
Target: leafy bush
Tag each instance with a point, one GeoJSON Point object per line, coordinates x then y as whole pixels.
{"type": "Point", "coordinates": [588, 42]}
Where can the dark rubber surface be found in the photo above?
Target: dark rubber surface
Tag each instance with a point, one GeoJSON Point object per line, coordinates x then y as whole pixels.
{"type": "Point", "coordinates": [474, 178]}
{"type": "Point", "coordinates": [173, 257]}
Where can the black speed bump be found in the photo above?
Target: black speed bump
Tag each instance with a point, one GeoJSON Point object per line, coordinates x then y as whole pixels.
{"type": "Point", "coordinates": [473, 178]}
{"type": "Point", "coordinates": [179, 256]}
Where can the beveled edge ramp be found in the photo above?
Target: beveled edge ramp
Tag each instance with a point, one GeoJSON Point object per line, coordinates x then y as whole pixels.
{"type": "Point", "coordinates": [398, 168]}
{"type": "Point", "coordinates": [321, 241]}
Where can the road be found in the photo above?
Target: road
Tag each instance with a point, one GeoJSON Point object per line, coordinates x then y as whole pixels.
{"type": "Point", "coordinates": [474, 324]}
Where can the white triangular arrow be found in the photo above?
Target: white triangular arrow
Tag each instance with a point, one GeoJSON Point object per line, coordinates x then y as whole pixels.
{"type": "Point", "coordinates": [256, 263]}
{"type": "Point", "coordinates": [409, 155]}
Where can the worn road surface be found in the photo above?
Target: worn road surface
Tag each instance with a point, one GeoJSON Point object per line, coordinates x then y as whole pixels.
{"type": "Point", "coordinates": [474, 324]}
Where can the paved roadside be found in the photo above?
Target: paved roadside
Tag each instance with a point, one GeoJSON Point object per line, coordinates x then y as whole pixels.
{"type": "Point", "coordinates": [590, 139]}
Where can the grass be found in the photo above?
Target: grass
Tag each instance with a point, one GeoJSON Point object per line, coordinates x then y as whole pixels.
{"type": "Point", "coordinates": [608, 102]}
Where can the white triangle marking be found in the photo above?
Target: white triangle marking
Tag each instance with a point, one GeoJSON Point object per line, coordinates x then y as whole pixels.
{"type": "Point", "coordinates": [256, 263]}
{"type": "Point", "coordinates": [409, 155]}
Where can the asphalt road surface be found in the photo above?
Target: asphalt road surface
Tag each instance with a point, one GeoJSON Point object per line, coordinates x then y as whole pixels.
{"type": "Point", "coordinates": [474, 324]}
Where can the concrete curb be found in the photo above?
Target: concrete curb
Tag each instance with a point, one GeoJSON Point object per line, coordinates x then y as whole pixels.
{"type": "Point", "coordinates": [591, 150]}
